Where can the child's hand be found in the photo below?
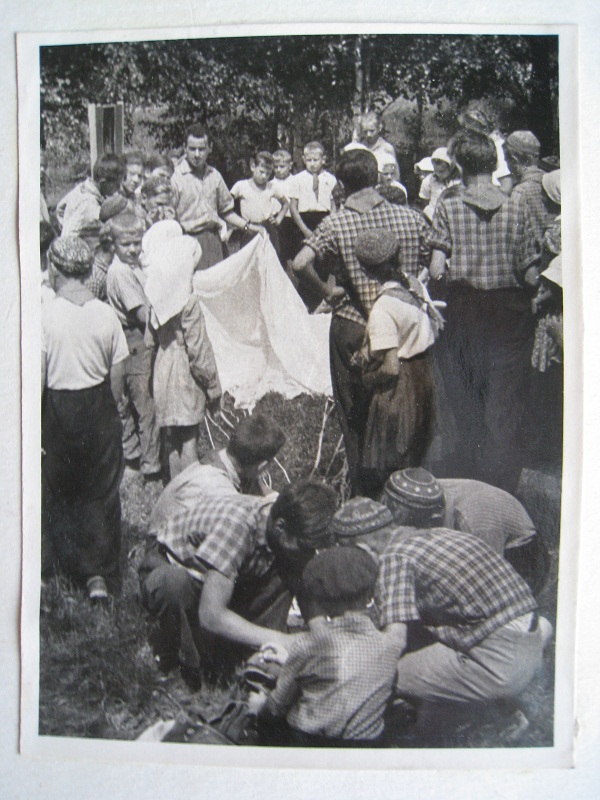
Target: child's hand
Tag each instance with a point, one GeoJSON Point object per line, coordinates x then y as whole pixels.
{"type": "Point", "coordinates": [275, 652]}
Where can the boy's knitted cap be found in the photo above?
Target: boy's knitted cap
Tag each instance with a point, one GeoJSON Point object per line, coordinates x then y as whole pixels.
{"type": "Point", "coordinates": [339, 573]}
{"type": "Point", "coordinates": [414, 487]}
{"type": "Point", "coordinates": [70, 255]}
{"type": "Point", "coordinates": [524, 142]}
{"type": "Point", "coordinates": [376, 246]}
{"type": "Point", "coordinates": [360, 516]}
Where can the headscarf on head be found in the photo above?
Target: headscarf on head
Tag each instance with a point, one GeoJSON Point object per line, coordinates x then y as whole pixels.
{"type": "Point", "coordinates": [551, 184]}
{"type": "Point", "coordinates": [71, 255]}
{"type": "Point", "coordinates": [170, 259]}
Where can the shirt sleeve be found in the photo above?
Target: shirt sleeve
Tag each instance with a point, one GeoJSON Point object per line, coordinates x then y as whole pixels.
{"type": "Point", "coordinates": [441, 238]}
{"type": "Point", "coordinates": [396, 591]}
{"type": "Point", "coordinates": [381, 328]}
{"type": "Point", "coordinates": [287, 689]}
{"type": "Point", "coordinates": [237, 190]}
{"type": "Point", "coordinates": [125, 291]}
{"type": "Point", "coordinates": [199, 349]}
{"type": "Point", "coordinates": [229, 544]}
{"type": "Point", "coordinates": [223, 197]}
{"type": "Point", "coordinates": [324, 240]}
{"type": "Point", "coordinates": [293, 189]}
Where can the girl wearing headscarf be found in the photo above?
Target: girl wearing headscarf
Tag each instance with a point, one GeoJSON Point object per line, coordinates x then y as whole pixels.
{"type": "Point", "coordinates": [185, 374]}
{"type": "Point", "coordinates": [83, 355]}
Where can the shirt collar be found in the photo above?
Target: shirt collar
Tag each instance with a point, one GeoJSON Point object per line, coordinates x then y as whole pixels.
{"type": "Point", "coordinates": [185, 169]}
{"type": "Point", "coordinates": [364, 200]}
{"type": "Point", "coordinates": [486, 196]}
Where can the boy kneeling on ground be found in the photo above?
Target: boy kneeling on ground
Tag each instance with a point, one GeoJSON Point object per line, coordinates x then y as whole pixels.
{"type": "Point", "coordinates": [336, 681]}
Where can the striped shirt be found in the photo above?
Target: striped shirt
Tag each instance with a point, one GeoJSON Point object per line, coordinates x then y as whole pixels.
{"type": "Point", "coordinates": [227, 534]}
{"type": "Point", "coordinates": [490, 513]}
{"type": "Point", "coordinates": [337, 235]}
{"type": "Point", "coordinates": [487, 249]}
{"type": "Point", "coordinates": [337, 679]}
{"type": "Point", "coordinates": [452, 583]}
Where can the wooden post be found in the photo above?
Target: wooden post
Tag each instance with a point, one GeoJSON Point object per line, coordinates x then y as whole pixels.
{"type": "Point", "coordinates": [106, 123]}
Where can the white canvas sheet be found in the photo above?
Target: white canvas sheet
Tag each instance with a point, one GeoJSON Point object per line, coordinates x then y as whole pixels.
{"type": "Point", "coordinates": [263, 337]}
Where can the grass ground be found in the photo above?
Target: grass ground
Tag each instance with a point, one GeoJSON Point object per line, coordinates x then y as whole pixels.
{"type": "Point", "coordinates": [98, 678]}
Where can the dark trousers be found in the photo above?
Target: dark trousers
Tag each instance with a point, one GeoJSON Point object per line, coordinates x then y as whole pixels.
{"type": "Point", "coordinates": [485, 353]}
{"type": "Point", "coordinates": [172, 596]}
{"type": "Point", "coordinates": [351, 397]}
{"type": "Point", "coordinates": [81, 474]}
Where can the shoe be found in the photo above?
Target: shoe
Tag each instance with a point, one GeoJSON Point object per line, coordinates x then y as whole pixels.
{"type": "Point", "coordinates": [97, 589]}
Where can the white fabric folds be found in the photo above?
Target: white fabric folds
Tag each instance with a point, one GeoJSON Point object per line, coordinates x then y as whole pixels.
{"type": "Point", "coordinates": [263, 338]}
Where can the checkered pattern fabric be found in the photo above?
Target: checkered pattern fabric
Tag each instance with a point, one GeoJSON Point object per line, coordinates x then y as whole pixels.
{"type": "Point", "coordinates": [453, 584]}
{"type": "Point", "coordinates": [337, 235]}
{"type": "Point", "coordinates": [540, 209]}
{"type": "Point", "coordinates": [227, 534]}
{"type": "Point", "coordinates": [337, 679]}
{"type": "Point", "coordinates": [96, 282]}
{"type": "Point", "coordinates": [486, 249]}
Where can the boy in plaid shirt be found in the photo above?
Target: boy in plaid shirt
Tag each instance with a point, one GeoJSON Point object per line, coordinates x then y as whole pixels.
{"type": "Point", "coordinates": [335, 684]}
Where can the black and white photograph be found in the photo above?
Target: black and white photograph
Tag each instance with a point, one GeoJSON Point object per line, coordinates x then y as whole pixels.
{"type": "Point", "coordinates": [300, 462]}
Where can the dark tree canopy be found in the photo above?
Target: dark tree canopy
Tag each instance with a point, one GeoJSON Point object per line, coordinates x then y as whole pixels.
{"type": "Point", "coordinates": [265, 91]}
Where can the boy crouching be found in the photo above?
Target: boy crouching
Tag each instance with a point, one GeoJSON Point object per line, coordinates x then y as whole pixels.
{"type": "Point", "coordinates": [334, 685]}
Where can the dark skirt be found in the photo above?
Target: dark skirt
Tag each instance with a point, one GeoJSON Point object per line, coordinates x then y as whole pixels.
{"type": "Point", "coordinates": [82, 466]}
{"type": "Point", "coordinates": [400, 420]}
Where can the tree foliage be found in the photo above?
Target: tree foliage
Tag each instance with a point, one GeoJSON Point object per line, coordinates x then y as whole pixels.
{"type": "Point", "coordinates": [264, 91]}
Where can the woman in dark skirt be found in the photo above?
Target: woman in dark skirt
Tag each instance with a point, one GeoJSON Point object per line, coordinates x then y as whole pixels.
{"type": "Point", "coordinates": [83, 355]}
{"type": "Point", "coordinates": [402, 327]}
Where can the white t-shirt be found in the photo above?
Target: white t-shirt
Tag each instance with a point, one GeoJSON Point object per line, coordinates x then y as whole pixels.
{"type": "Point", "coordinates": [301, 189]}
{"type": "Point", "coordinates": [283, 184]}
{"type": "Point", "coordinates": [80, 343]}
{"type": "Point", "coordinates": [394, 323]}
{"type": "Point", "coordinates": [257, 205]}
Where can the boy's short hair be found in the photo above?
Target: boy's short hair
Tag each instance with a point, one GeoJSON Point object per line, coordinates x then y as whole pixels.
{"type": "Point", "coordinates": [313, 147]}
{"type": "Point", "coordinates": [282, 155]}
{"type": "Point", "coordinates": [357, 169]}
{"type": "Point", "coordinates": [134, 157]}
{"type": "Point", "coordinates": [108, 167]}
{"type": "Point", "coordinates": [156, 184]}
{"type": "Point", "coordinates": [337, 580]}
{"type": "Point", "coordinates": [262, 157]}
{"type": "Point", "coordinates": [474, 152]}
{"type": "Point", "coordinates": [198, 131]}
{"type": "Point", "coordinates": [127, 222]}
{"type": "Point", "coordinates": [155, 160]}
{"type": "Point", "coordinates": [305, 508]}
{"type": "Point", "coordinates": [256, 438]}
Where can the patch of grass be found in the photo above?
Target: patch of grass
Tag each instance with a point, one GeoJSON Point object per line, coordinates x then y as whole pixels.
{"type": "Point", "coordinates": [98, 677]}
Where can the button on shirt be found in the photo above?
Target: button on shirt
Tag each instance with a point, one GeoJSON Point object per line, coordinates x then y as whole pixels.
{"type": "Point", "coordinates": [488, 249]}
{"type": "Point", "coordinates": [199, 200]}
{"type": "Point", "coordinates": [227, 534]}
{"type": "Point", "coordinates": [452, 583]}
{"type": "Point", "coordinates": [337, 679]}
{"type": "Point", "coordinates": [337, 235]}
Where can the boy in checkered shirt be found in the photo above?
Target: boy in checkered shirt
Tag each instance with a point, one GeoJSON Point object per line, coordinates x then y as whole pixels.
{"type": "Point", "coordinates": [336, 681]}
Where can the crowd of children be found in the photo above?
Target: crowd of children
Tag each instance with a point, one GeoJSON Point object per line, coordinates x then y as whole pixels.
{"type": "Point", "coordinates": [441, 314]}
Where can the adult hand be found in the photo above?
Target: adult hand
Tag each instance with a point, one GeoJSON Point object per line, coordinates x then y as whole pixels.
{"type": "Point", "coordinates": [276, 651]}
